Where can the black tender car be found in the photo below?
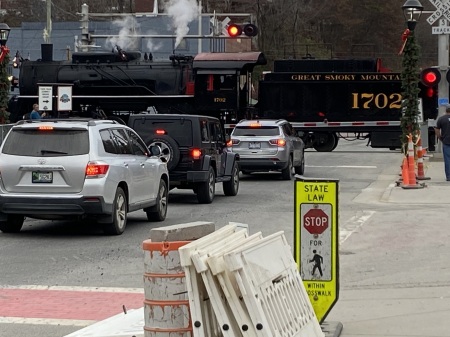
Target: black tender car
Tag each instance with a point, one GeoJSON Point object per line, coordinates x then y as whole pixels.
{"type": "Point", "coordinates": [195, 150]}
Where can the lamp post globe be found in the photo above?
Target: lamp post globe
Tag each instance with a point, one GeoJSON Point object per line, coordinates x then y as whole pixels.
{"type": "Point", "coordinates": [4, 33]}
{"type": "Point", "coordinates": [412, 10]}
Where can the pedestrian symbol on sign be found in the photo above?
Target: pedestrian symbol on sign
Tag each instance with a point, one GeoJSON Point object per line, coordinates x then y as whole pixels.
{"type": "Point", "coordinates": [318, 261]}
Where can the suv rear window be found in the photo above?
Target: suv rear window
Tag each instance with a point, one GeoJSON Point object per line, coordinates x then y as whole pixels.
{"type": "Point", "coordinates": [38, 143]}
{"type": "Point", "coordinates": [178, 129]}
{"type": "Point", "coordinates": [259, 131]}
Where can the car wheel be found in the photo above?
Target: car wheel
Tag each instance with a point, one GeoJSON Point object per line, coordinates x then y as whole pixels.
{"type": "Point", "coordinates": [231, 187]}
{"type": "Point", "coordinates": [207, 189]}
{"type": "Point", "coordinates": [13, 224]}
{"type": "Point", "coordinates": [169, 150]}
{"type": "Point", "coordinates": [288, 172]}
{"type": "Point", "coordinates": [119, 214]}
{"type": "Point", "coordinates": [301, 169]}
{"type": "Point", "coordinates": [159, 211]}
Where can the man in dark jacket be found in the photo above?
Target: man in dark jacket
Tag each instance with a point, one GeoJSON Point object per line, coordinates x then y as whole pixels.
{"type": "Point", "coordinates": [443, 134]}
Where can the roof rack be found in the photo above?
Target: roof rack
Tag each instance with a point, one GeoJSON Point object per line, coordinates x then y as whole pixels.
{"type": "Point", "coordinates": [89, 121]}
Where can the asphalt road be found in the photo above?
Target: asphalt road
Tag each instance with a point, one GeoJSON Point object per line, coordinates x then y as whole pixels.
{"type": "Point", "coordinates": [78, 255]}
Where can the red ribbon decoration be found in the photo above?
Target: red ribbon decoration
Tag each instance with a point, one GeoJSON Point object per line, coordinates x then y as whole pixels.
{"type": "Point", "coordinates": [3, 52]}
{"type": "Point", "coordinates": [405, 36]}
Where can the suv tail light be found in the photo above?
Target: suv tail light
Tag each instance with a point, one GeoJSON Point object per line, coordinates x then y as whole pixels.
{"type": "Point", "coordinates": [196, 153]}
{"type": "Point", "coordinates": [279, 142]}
{"type": "Point", "coordinates": [160, 132]}
{"type": "Point", "coordinates": [96, 170]}
{"type": "Point", "coordinates": [232, 142]}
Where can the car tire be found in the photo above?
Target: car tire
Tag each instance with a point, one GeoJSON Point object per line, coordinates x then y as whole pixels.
{"type": "Point", "coordinates": [119, 214]}
{"type": "Point", "coordinates": [207, 189]}
{"type": "Point", "coordinates": [231, 187]}
{"type": "Point", "coordinates": [13, 224]}
{"type": "Point", "coordinates": [169, 150]}
{"type": "Point", "coordinates": [288, 172]}
{"type": "Point", "coordinates": [301, 169]}
{"type": "Point", "coordinates": [159, 211]}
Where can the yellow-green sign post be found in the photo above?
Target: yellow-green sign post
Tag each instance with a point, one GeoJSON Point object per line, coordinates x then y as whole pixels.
{"type": "Point", "coordinates": [316, 241]}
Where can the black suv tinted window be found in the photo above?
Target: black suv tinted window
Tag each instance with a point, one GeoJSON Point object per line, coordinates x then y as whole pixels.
{"type": "Point", "coordinates": [136, 144]}
{"type": "Point", "coordinates": [256, 131]}
{"type": "Point", "coordinates": [179, 129]}
{"type": "Point", "coordinates": [47, 143]}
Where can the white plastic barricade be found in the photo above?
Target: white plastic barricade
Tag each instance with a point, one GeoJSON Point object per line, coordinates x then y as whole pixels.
{"type": "Point", "coordinates": [272, 289]}
{"type": "Point", "coordinates": [229, 289]}
{"type": "Point", "coordinates": [224, 315]}
{"type": "Point", "coordinates": [203, 318]}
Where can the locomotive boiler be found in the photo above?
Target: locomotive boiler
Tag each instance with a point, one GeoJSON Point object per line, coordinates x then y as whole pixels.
{"type": "Point", "coordinates": [117, 83]}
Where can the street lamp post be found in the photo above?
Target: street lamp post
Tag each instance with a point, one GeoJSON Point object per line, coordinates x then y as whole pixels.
{"type": "Point", "coordinates": [4, 82]}
{"type": "Point", "coordinates": [412, 10]}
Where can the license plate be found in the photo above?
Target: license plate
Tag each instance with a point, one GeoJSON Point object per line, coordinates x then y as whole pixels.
{"type": "Point", "coordinates": [42, 177]}
{"type": "Point", "coordinates": [254, 145]}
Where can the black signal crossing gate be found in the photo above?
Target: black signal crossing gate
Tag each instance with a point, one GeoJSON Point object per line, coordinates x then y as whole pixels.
{"type": "Point", "coordinates": [316, 241]}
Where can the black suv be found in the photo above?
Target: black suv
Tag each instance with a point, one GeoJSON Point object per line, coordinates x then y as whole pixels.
{"type": "Point", "coordinates": [195, 150]}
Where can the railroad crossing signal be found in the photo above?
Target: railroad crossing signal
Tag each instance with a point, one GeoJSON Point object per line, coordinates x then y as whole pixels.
{"type": "Point", "coordinates": [430, 77]}
{"type": "Point", "coordinates": [442, 9]}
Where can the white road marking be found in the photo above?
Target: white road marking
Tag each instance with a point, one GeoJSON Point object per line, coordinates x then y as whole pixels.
{"type": "Point", "coordinates": [344, 166]}
{"type": "Point", "coordinates": [45, 321]}
{"type": "Point", "coordinates": [70, 288]}
{"type": "Point", "coordinates": [353, 225]}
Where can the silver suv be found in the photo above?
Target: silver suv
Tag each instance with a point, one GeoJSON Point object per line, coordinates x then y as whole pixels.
{"type": "Point", "coordinates": [76, 169]}
{"type": "Point", "coordinates": [268, 145]}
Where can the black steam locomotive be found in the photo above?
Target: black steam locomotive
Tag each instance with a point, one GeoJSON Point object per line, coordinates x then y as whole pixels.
{"type": "Point", "coordinates": [117, 83]}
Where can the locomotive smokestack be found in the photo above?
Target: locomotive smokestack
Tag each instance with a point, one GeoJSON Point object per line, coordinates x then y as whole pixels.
{"type": "Point", "coordinates": [47, 52]}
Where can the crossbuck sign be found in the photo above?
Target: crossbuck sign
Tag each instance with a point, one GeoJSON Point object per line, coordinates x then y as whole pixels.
{"type": "Point", "coordinates": [442, 9]}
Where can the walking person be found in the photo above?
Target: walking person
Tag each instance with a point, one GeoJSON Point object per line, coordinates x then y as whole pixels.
{"type": "Point", "coordinates": [442, 130]}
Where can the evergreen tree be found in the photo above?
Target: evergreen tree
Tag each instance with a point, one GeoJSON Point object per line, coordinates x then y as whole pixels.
{"type": "Point", "coordinates": [5, 87]}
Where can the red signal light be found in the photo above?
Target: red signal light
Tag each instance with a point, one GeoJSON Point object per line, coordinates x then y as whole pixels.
{"type": "Point", "coordinates": [430, 92]}
{"type": "Point", "coordinates": [234, 30]}
{"type": "Point", "coordinates": [430, 77]}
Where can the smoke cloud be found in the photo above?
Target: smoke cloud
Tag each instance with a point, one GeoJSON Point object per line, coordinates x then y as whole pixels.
{"type": "Point", "coordinates": [125, 40]}
{"type": "Point", "coordinates": [182, 13]}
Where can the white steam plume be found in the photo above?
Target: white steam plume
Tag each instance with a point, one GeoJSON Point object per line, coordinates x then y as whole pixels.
{"type": "Point", "coordinates": [182, 13]}
{"type": "Point", "coordinates": [125, 39]}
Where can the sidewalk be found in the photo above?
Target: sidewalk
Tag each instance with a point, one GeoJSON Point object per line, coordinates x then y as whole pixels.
{"type": "Point", "coordinates": [436, 190]}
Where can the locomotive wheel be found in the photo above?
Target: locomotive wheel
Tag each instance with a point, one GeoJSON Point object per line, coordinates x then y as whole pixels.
{"type": "Point", "coordinates": [169, 150]}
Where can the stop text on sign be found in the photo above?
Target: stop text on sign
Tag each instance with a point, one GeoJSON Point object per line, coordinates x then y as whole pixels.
{"type": "Point", "coordinates": [315, 192]}
{"type": "Point", "coordinates": [318, 221]}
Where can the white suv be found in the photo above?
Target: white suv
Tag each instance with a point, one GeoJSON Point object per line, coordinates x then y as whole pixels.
{"type": "Point", "coordinates": [268, 145]}
{"type": "Point", "coordinates": [76, 169]}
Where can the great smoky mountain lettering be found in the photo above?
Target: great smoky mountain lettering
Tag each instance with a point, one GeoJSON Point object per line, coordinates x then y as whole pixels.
{"type": "Point", "coordinates": [339, 77]}
{"type": "Point", "coordinates": [368, 100]}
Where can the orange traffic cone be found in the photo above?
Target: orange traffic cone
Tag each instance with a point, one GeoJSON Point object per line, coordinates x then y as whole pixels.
{"type": "Point", "coordinates": [405, 176]}
{"type": "Point", "coordinates": [412, 183]}
{"type": "Point", "coordinates": [420, 167]}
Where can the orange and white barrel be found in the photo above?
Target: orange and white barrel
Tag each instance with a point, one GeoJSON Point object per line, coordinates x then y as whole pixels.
{"type": "Point", "coordinates": [166, 304]}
